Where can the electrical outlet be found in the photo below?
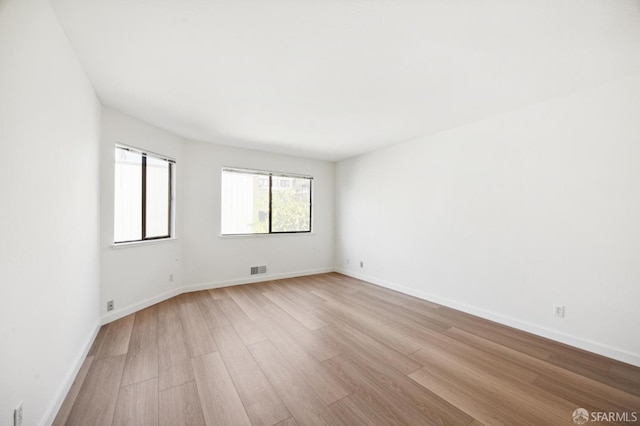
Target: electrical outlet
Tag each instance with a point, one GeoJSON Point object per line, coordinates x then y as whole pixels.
{"type": "Point", "coordinates": [558, 310]}
{"type": "Point", "coordinates": [361, 264]}
{"type": "Point", "coordinates": [348, 261]}
{"type": "Point", "coordinates": [170, 277]}
{"type": "Point", "coordinates": [110, 305]}
{"type": "Point", "coordinates": [17, 415]}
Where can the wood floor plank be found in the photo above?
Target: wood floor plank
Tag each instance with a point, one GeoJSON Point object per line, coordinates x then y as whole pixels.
{"type": "Point", "coordinates": [515, 339]}
{"type": "Point", "coordinates": [373, 326]}
{"type": "Point", "coordinates": [525, 400]}
{"type": "Point", "coordinates": [137, 404]}
{"type": "Point", "coordinates": [117, 335]}
{"type": "Point", "coordinates": [608, 395]}
{"type": "Point", "coordinates": [306, 318]}
{"type": "Point", "coordinates": [353, 410]}
{"type": "Point", "coordinates": [291, 421]}
{"type": "Point", "coordinates": [300, 297]}
{"type": "Point", "coordinates": [303, 285]}
{"type": "Point", "coordinates": [315, 343]}
{"type": "Point", "coordinates": [180, 406]}
{"type": "Point", "coordinates": [624, 376]}
{"type": "Point", "coordinates": [142, 357]}
{"type": "Point", "coordinates": [246, 303]}
{"type": "Point", "coordinates": [174, 363]}
{"type": "Point", "coordinates": [261, 401]}
{"type": "Point", "coordinates": [593, 367]}
{"type": "Point", "coordinates": [217, 293]}
{"type": "Point", "coordinates": [350, 311]}
{"type": "Point", "coordinates": [375, 304]}
{"type": "Point", "coordinates": [210, 310]}
{"type": "Point", "coordinates": [337, 282]}
{"type": "Point", "coordinates": [387, 295]}
{"type": "Point", "coordinates": [391, 409]}
{"type": "Point", "coordinates": [97, 341]}
{"type": "Point", "coordinates": [249, 332]}
{"type": "Point", "coordinates": [462, 354]}
{"type": "Point", "coordinates": [398, 387]}
{"type": "Point", "coordinates": [627, 371]}
{"type": "Point", "coordinates": [318, 376]}
{"type": "Point", "coordinates": [232, 311]}
{"type": "Point", "coordinates": [582, 397]}
{"type": "Point", "coordinates": [302, 401]}
{"type": "Point", "coordinates": [475, 402]}
{"type": "Point", "coordinates": [96, 401]}
{"type": "Point", "coordinates": [197, 334]}
{"type": "Point", "coordinates": [387, 312]}
{"type": "Point", "coordinates": [354, 339]}
{"type": "Point", "coordinates": [255, 293]}
{"type": "Point", "coordinates": [221, 404]}
{"type": "Point", "coordinates": [419, 305]}
{"type": "Point", "coordinates": [422, 319]}
{"type": "Point", "coordinates": [331, 288]}
{"type": "Point", "coordinates": [69, 401]}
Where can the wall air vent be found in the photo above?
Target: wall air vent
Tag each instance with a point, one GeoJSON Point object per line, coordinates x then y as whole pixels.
{"type": "Point", "coordinates": [255, 270]}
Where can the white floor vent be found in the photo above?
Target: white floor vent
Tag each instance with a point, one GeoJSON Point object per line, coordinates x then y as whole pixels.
{"type": "Point", "coordinates": [255, 270]}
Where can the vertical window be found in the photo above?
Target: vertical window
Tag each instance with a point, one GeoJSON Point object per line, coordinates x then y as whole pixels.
{"type": "Point", "coordinates": [143, 202]}
{"type": "Point", "coordinates": [258, 202]}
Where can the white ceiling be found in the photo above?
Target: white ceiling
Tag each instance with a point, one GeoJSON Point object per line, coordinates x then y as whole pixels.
{"type": "Point", "coordinates": [332, 79]}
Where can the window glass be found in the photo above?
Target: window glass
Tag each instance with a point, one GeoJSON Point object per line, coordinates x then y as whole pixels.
{"type": "Point", "coordinates": [263, 202]}
{"type": "Point", "coordinates": [142, 196]}
{"type": "Point", "coordinates": [158, 198]}
{"type": "Point", "coordinates": [291, 205]}
{"type": "Point", "coordinates": [128, 196]}
{"type": "Point", "coordinates": [245, 203]}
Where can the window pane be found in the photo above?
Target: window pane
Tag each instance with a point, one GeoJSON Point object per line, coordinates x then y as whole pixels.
{"type": "Point", "coordinates": [245, 203]}
{"type": "Point", "coordinates": [128, 196]}
{"type": "Point", "coordinates": [291, 205]}
{"type": "Point", "coordinates": [158, 202]}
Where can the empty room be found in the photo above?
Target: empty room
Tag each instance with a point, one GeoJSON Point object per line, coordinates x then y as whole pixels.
{"type": "Point", "coordinates": [338, 212]}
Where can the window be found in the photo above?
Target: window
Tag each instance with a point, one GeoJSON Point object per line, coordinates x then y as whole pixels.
{"type": "Point", "coordinates": [258, 202]}
{"type": "Point", "coordinates": [143, 202]}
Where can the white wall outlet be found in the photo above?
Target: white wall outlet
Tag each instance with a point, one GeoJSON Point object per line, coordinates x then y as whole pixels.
{"type": "Point", "coordinates": [348, 261]}
{"type": "Point", "coordinates": [17, 415]}
{"type": "Point", "coordinates": [361, 264]}
{"type": "Point", "coordinates": [110, 305]}
{"type": "Point", "coordinates": [558, 310]}
{"type": "Point", "coordinates": [170, 277]}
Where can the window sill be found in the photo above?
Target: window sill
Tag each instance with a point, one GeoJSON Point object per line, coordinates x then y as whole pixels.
{"type": "Point", "coordinates": [117, 246]}
{"type": "Point", "coordinates": [286, 235]}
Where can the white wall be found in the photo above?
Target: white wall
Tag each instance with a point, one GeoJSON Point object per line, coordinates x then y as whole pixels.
{"type": "Point", "coordinates": [508, 216]}
{"type": "Point", "coordinates": [136, 275]}
{"type": "Point", "coordinates": [49, 260]}
{"type": "Point", "coordinates": [211, 260]}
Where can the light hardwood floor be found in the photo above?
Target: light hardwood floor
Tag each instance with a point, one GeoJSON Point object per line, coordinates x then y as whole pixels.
{"type": "Point", "coordinates": [330, 349]}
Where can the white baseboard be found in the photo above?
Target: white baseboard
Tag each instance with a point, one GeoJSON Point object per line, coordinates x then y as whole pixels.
{"type": "Point", "coordinates": [123, 312]}
{"type": "Point", "coordinates": [63, 390]}
{"type": "Point", "coordinates": [598, 348]}
{"type": "Point", "coordinates": [255, 279]}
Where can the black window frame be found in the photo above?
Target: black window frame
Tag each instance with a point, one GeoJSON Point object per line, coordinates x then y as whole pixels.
{"type": "Point", "coordinates": [270, 175]}
{"type": "Point", "coordinates": [171, 163]}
